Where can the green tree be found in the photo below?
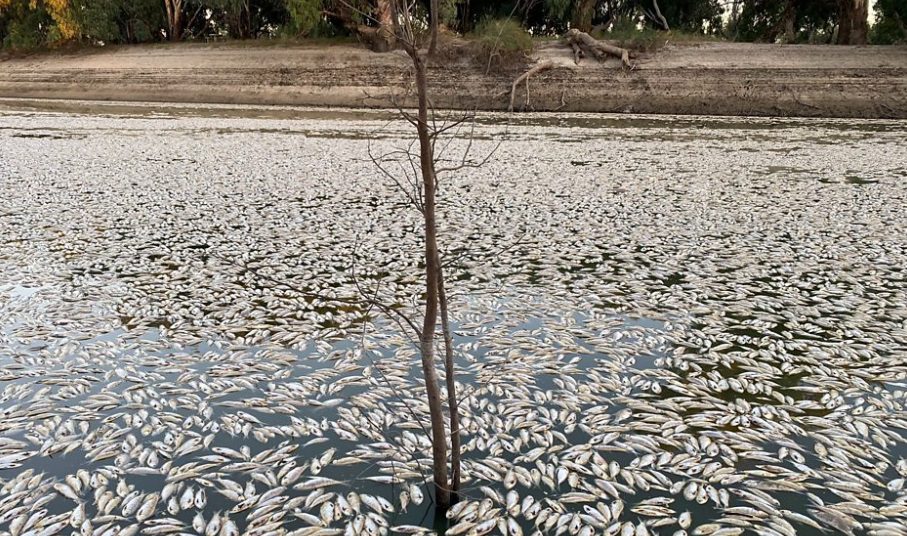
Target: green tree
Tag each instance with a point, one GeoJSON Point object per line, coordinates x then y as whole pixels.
{"type": "Point", "coordinates": [120, 21]}
{"type": "Point", "coordinates": [304, 16]}
{"type": "Point", "coordinates": [785, 20]}
{"type": "Point", "coordinates": [25, 24]}
{"type": "Point", "coordinates": [698, 16]}
{"type": "Point", "coordinates": [891, 22]}
{"type": "Point", "coordinates": [248, 19]}
{"type": "Point", "coordinates": [37, 23]}
{"type": "Point", "coordinates": [690, 15]}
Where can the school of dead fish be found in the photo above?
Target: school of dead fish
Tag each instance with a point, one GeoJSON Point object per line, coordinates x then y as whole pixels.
{"type": "Point", "coordinates": [660, 330]}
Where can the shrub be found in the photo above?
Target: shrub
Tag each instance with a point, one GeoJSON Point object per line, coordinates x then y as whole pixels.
{"type": "Point", "coordinates": [26, 27]}
{"type": "Point", "coordinates": [119, 21]}
{"type": "Point", "coordinates": [304, 16]}
{"type": "Point", "coordinates": [501, 41]}
{"type": "Point", "coordinates": [626, 34]}
{"type": "Point", "coordinates": [891, 23]}
{"type": "Point", "coordinates": [887, 32]}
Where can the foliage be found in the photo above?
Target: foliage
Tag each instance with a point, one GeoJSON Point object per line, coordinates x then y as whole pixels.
{"type": "Point", "coordinates": [500, 41]}
{"type": "Point", "coordinates": [243, 19]}
{"type": "Point", "coordinates": [64, 18]}
{"type": "Point", "coordinates": [769, 20]}
{"type": "Point", "coordinates": [702, 16]}
{"type": "Point", "coordinates": [759, 20]}
{"type": "Point", "coordinates": [304, 17]}
{"type": "Point", "coordinates": [99, 20]}
{"type": "Point", "coordinates": [119, 21]}
{"type": "Point", "coordinates": [891, 22]}
{"type": "Point", "coordinates": [448, 13]}
{"type": "Point", "coordinates": [625, 34]}
{"type": "Point", "coordinates": [25, 25]}
{"type": "Point", "coordinates": [38, 23]}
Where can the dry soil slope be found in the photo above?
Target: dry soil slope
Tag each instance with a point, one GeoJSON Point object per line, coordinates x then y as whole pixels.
{"type": "Point", "coordinates": [712, 78]}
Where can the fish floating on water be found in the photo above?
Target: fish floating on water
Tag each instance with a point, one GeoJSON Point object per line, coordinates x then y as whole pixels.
{"type": "Point", "coordinates": [672, 345]}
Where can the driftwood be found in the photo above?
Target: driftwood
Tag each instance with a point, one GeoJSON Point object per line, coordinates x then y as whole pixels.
{"type": "Point", "coordinates": [537, 68]}
{"type": "Point", "coordinates": [582, 45]}
{"type": "Point", "coordinates": [581, 41]}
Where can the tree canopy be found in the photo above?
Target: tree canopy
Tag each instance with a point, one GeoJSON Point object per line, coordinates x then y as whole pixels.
{"type": "Point", "coordinates": [891, 22]}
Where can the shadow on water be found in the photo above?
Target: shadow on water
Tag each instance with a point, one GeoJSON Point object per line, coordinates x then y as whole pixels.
{"type": "Point", "coordinates": [253, 418]}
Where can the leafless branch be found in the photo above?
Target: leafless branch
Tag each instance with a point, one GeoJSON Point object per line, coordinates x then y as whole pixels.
{"type": "Point", "coordinates": [394, 314]}
{"type": "Point", "coordinates": [464, 253]}
{"type": "Point", "coordinates": [410, 190]}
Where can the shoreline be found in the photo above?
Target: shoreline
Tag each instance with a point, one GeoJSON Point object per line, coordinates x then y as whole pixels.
{"type": "Point", "coordinates": [289, 112]}
{"type": "Point", "coordinates": [724, 79]}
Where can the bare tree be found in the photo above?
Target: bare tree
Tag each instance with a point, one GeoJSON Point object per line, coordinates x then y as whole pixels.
{"type": "Point", "coordinates": [417, 178]}
{"type": "Point", "coordinates": [410, 178]}
{"type": "Point", "coordinates": [422, 192]}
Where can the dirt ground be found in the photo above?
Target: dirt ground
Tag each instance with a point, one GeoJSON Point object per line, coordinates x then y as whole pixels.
{"type": "Point", "coordinates": [707, 78]}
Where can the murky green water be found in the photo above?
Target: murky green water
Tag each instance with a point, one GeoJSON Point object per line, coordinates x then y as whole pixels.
{"type": "Point", "coordinates": [653, 316]}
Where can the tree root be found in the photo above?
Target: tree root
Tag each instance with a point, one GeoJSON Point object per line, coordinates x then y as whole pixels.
{"type": "Point", "coordinates": [586, 43]}
{"type": "Point", "coordinates": [539, 67]}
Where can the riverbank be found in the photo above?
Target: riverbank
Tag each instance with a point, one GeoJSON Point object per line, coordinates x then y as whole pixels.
{"type": "Point", "coordinates": [707, 78]}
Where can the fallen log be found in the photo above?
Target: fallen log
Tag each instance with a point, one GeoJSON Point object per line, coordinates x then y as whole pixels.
{"type": "Point", "coordinates": [596, 48]}
{"type": "Point", "coordinates": [543, 66]}
{"type": "Point", "coordinates": [582, 44]}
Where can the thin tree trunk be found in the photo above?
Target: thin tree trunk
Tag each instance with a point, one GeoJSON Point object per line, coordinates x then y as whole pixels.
{"type": "Point", "coordinates": [177, 31]}
{"type": "Point", "coordinates": [245, 20]}
{"type": "Point", "coordinates": [452, 402]}
{"type": "Point", "coordinates": [435, 8]}
{"type": "Point", "coordinates": [432, 275]}
{"type": "Point", "coordinates": [466, 24]}
{"type": "Point", "coordinates": [169, 9]}
{"type": "Point", "coordinates": [860, 21]}
{"type": "Point", "coordinates": [735, 19]}
{"type": "Point", "coordinates": [790, 19]}
{"type": "Point", "coordinates": [659, 18]}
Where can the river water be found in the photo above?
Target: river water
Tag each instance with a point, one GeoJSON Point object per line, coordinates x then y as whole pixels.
{"type": "Point", "coordinates": [661, 324]}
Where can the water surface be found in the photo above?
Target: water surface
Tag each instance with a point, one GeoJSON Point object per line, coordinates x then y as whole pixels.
{"type": "Point", "coordinates": [652, 316]}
